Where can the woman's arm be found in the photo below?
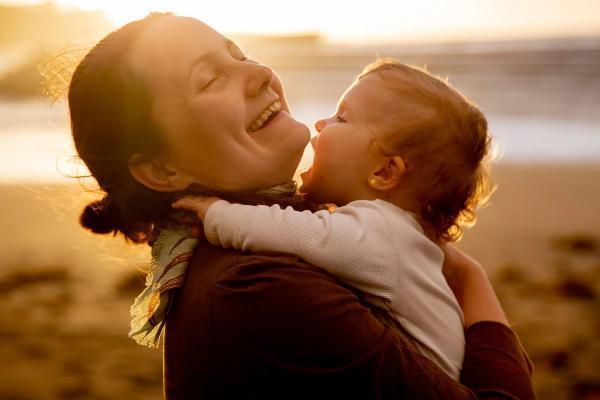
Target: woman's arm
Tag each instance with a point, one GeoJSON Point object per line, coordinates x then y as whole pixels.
{"type": "Point", "coordinates": [472, 288]}
{"type": "Point", "coordinates": [485, 322]}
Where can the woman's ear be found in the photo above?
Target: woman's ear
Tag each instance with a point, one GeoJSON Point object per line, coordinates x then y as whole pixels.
{"type": "Point", "coordinates": [387, 175]}
{"type": "Point", "coordinates": [157, 175]}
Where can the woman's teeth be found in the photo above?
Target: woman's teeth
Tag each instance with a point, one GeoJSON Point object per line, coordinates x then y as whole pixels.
{"type": "Point", "coordinates": [265, 115]}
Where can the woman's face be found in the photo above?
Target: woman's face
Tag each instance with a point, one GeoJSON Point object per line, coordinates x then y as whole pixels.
{"type": "Point", "coordinates": [211, 100]}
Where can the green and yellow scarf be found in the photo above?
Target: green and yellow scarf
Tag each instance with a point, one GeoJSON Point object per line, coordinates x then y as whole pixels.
{"type": "Point", "coordinates": [172, 249]}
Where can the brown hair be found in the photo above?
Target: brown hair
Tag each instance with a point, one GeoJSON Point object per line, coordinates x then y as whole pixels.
{"type": "Point", "coordinates": [111, 119]}
{"type": "Point", "coordinates": [445, 143]}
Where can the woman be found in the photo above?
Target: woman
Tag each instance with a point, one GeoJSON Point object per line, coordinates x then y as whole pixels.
{"type": "Point", "coordinates": [166, 106]}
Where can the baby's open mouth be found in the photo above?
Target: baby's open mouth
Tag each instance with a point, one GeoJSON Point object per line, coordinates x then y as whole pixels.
{"type": "Point", "coordinates": [305, 173]}
{"type": "Point", "coordinates": [266, 116]}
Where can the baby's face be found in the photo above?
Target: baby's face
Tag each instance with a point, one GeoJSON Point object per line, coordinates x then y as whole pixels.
{"type": "Point", "coordinates": [344, 155]}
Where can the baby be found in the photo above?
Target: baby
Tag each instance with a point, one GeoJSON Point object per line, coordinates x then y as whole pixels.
{"type": "Point", "coordinates": [404, 158]}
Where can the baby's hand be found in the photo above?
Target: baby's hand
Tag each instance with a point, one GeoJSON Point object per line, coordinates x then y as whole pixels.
{"type": "Point", "coordinates": [197, 204]}
{"type": "Point", "coordinates": [330, 207]}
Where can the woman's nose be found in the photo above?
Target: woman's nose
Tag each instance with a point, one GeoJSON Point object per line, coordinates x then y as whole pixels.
{"type": "Point", "coordinates": [258, 78]}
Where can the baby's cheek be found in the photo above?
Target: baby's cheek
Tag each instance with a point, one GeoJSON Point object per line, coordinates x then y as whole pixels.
{"type": "Point", "coordinates": [326, 148]}
{"type": "Point", "coordinates": [323, 162]}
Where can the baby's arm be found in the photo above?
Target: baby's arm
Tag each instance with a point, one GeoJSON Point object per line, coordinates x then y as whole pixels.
{"type": "Point", "coordinates": [351, 243]}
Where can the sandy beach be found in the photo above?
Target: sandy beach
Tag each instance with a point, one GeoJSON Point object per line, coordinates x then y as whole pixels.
{"type": "Point", "coordinates": [67, 293]}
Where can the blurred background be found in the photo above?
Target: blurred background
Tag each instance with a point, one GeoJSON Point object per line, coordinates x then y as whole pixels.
{"type": "Point", "coordinates": [533, 66]}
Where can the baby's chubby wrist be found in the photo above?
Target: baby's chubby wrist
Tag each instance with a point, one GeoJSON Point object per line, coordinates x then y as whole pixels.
{"type": "Point", "coordinates": [214, 207]}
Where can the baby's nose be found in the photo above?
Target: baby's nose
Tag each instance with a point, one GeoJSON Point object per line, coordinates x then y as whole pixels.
{"type": "Point", "coordinates": [319, 125]}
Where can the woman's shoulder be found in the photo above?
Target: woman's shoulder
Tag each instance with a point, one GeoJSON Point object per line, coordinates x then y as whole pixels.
{"type": "Point", "coordinates": [276, 276]}
{"type": "Point", "coordinates": [275, 296]}
{"type": "Point", "coordinates": [221, 265]}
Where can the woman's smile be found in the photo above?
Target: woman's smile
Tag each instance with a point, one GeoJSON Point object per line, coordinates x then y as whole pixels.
{"type": "Point", "coordinates": [266, 116]}
{"type": "Point", "coordinates": [272, 121]}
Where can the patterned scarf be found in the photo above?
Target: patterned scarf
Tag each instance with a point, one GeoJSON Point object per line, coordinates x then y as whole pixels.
{"type": "Point", "coordinates": [172, 248]}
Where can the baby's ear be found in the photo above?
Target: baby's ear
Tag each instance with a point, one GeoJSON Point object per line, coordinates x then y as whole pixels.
{"type": "Point", "coordinates": [387, 175]}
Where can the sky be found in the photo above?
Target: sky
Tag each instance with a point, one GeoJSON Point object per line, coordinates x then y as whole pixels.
{"type": "Point", "coordinates": [372, 21]}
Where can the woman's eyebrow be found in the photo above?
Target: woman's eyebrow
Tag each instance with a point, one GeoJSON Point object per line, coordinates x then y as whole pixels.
{"type": "Point", "coordinates": [207, 57]}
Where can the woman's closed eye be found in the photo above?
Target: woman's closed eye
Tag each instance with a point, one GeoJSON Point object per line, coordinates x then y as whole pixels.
{"type": "Point", "coordinates": [339, 119]}
{"type": "Point", "coordinates": [237, 54]}
{"type": "Point", "coordinates": [206, 84]}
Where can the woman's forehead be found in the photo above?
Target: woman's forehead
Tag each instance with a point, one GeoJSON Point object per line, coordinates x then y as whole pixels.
{"type": "Point", "coordinates": [171, 44]}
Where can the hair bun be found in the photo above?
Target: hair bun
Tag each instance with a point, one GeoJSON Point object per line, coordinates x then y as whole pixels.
{"type": "Point", "coordinates": [98, 216]}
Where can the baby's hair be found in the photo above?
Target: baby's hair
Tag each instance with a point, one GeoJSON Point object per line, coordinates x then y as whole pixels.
{"type": "Point", "coordinates": [444, 141]}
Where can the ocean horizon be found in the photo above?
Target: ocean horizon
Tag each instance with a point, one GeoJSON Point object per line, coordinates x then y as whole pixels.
{"type": "Point", "coordinates": [541, 98]}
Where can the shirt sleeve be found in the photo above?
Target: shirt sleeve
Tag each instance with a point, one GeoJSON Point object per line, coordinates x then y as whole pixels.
{"type": "Point", "coordinates": [341, 338]}
{"type": "Point", "coordinates": [489, 340]}
{"type": "Point", "coordinates": [351, 243]}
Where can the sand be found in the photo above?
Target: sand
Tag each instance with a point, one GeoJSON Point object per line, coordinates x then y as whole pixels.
{"type": "Point", "coordinates": [66, 293]}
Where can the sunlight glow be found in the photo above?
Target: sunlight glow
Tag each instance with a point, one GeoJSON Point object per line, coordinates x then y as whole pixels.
{"type": "Point", "coordinates": [375, 20]}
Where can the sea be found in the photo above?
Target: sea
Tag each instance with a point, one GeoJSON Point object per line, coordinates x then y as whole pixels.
{"type": "Point", "coordinates": [541, 98]}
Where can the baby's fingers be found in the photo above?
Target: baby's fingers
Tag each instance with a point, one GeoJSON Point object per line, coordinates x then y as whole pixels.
{"type": "Point", "coordinates": [330, 207]}
{"type": "Point", "coordinates": [198, 204]}
{"type": "Point", "coordinates": [190, 203]}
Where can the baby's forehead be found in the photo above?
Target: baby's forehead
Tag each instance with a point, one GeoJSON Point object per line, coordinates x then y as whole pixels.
{"type": "Point", "coordinates": [372, 98]}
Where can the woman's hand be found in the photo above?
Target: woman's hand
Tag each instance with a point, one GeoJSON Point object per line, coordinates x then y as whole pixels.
{"type": "Point", "coordinates": [197, 204]}
{"type": "Point", "coordinates": [472, 287]}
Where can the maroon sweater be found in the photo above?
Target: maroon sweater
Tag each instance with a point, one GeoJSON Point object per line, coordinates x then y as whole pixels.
{"type": "Point", "coordinates": [270, 326]}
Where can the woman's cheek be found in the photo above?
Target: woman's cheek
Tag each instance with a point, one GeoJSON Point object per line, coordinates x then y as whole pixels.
{"type": "Point", "coordinates": [298, 136]}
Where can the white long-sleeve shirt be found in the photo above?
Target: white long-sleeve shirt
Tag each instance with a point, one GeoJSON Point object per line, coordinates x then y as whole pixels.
{"type": "Point", "coordinates": [374, 246]}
